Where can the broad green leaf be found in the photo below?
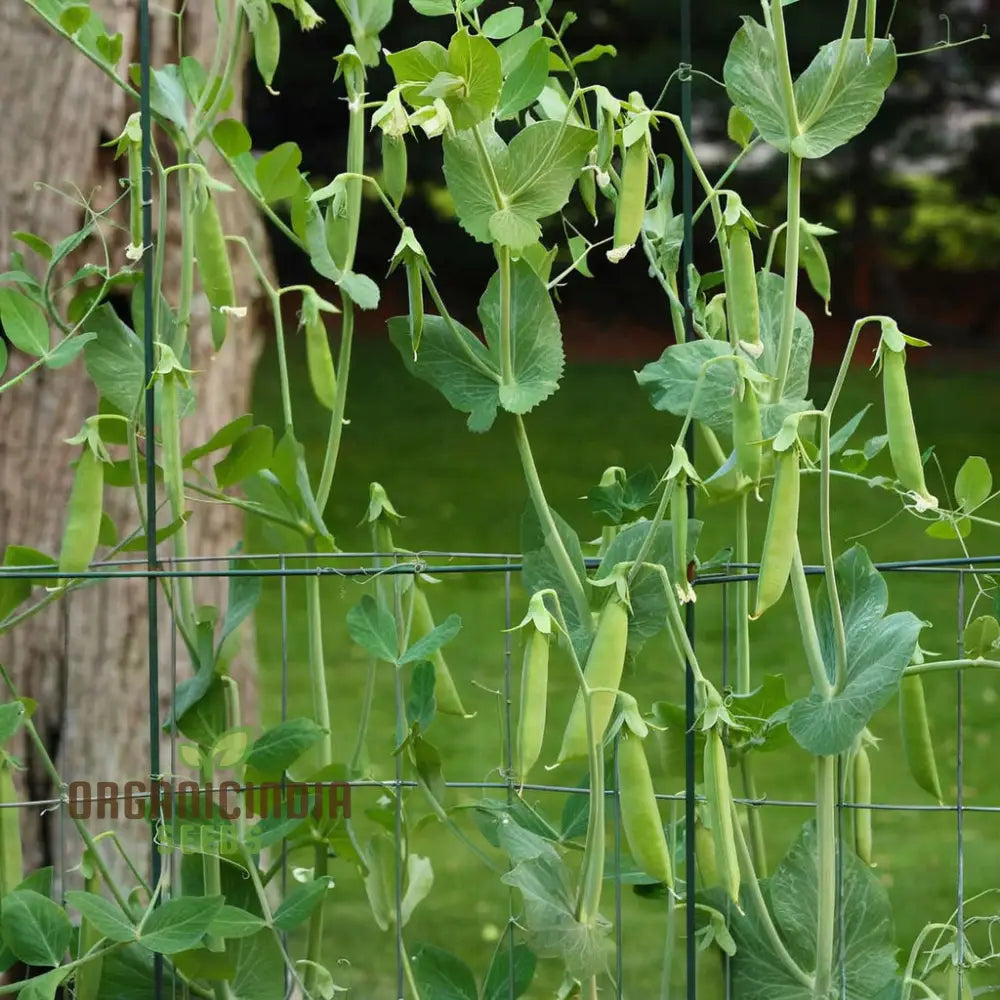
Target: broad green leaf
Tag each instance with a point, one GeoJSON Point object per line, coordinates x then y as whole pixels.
{"type": "Point", "coordinates": [433, 8]}
{"type": "Point", "coordinates": [129, 972]}
{"type": "Point", "coordinates": [535, 338]}
{"type": "Point", "coordinates": [222, 438]}
{"type": "Point", "coordinates": [200, 963]}
{"type": "Point", "coordinates": [299, 904]}
{"type": "Point", "coordinates": [380, 879]}
{"type": "Point", "coordinates": [3, 356]}
{"type": "Point", "coordinates": [633, 494]}
{"type": "Point", "coordinates": [770, 292]}
{"type": "Point", "coordinates": [499, 983]}
{"type": "Point", "coordinates": [549, 920]}
{"type": "Point", "coordinates": [12, 714]}
{"type": "Point", "coordinates": [812, 257]}
{"type": "Point", "coordinates": [949, 530]}
{"type": "Point", "coordinates": [419, 882]}
{"type": "Point", "coordinates": [278, 172]}
{"type": "Point", "coordinates": [68, 349]}
{"type": "Point", "coordinates": [205, 721]}
{"type": "Point", "coordinates": [24, 323]}
{"type": "Point", "coordinates": [232, 137]}
{"type": "Point", "coordinates": [179, 924]}
{"type": "Point", "coordinates": [974, 483]}
{"type": "Point", "coordinates": [107, 918]}
{"type": "Point", "coordinates": [856, 98]}
{"type": "Point", "coordinates": [840, 438]}
{"type": "Point", "coordinates": [368, 19]}
{"type": "Point", "coordinates": [15, 590]}
{"type": "Point", "coordinates": [541, 571]}
{"type": "Point", "coordinates": [477, 62]}
{"type": "Point", "coordinates": [420, 706]}
{"type": "Point", "coordinates": [791, 895]}
{"type": "Point", "coordinates": [442, 975]}
{"type": "Point", "coordinates": [469, 182]}
{"type": "Point", "coordinates": [35, 928]}
{"type": "Point", "coordinates": [260, 967]}
{"type": "Point", "coordinates": [115, 360]}
{"type": "Point", "coordinates": [244, 594]}
{"type": "Point", "coordinates": [594, 53]}
{"type": "Point", "coordinates": [491, 814]}
{"type": "Point", "coordinates": [274, 751]}
{"type": "Point", "coordinates": [43, 987]}
{"type": "Point", "coordinates": [456, 363]}
{"type": "Point", "coordinates": [503, 23]}
{"type": "Point", "coordinates": [373, 628]}
{"type": "Point", "coordinates": [433, 641]}
{"type": "Point", "coordinates": [739, 128]}
{"type": "Point", "coordinates": [751, 77]}
{"type": "Point", "coordinates": [232, 922]}
{"type": "Point", "coordinates": [414, 68]}
{"type": "Point", "coordinates": [879, 648]}
{"type": "Point", "coordinates": [250, 452]}
{"type": "Point", "coordinates": [981, 637]}
{"type": "Point", "coordinates": [515, 49]}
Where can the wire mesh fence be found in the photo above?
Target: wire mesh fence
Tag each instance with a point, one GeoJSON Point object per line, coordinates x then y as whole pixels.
{"type": "Point", "coordinates": [494, 669]}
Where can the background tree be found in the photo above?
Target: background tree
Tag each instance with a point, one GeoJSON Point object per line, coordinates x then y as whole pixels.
{"type": "Point", "coordinates": [84, 660]}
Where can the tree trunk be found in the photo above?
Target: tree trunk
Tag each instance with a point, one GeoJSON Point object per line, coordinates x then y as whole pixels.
{"type": "Point", "coordinates": [85, 659]}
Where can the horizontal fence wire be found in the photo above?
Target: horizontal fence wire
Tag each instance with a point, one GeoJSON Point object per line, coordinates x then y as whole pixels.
{"type": "Point", "coordinates": [366, 566]}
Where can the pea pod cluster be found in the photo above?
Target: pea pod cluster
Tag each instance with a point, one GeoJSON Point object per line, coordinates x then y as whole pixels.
{"type": "Point", "coordinates": [640, 814]}
{"type": "Point", "coordinates": [604, 668]}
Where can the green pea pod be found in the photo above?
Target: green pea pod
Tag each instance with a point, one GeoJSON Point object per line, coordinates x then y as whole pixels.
{"type": "Point", "coordinates": [903, 447]}
{"type": "Point", "coordinates": [631, 206]}
{"type": "Point", "coordinates": [415, 293]}
{"type": "Point", "coordinates": [267, 46]}
{"type": "Point", "coordinates": [782, 528]}
{"type": "Point", "coordinates": [213, 263]}
{"type": "Point", "coordinates": [88, 976]}
{"type": "Point", "coordinates": [604, 668]}
{"type": "Point", "coordinates": [916, 731]}
{"type": "Point", "coordinates": [862, 796]}
{"type": "Point", "coordinates": [605, 140]}
{"type": "Point", "coordinates": [445, 693]}
{"type": "Point", "coordinates": [394, 167]}
{"type": "Point", "coordinates": [641, 821]}
{"type": "Point", "coordinates": [534, 698]}
{"type": "Point", "coordinates": [741, 295]}
{"type": "Point", "coordinates": [587, 185]}
{"type": "Point", "coordinates": [704, 852]}
{"type": "Point", "coordinates": [83, 515]}
{"type": "Point", "coordinates": [319, 359]}
{"type": "Point", "coordinates": [870, 12]}
{"type": "Point", "coordinates": [720, 812]}
{"type": "Point", "coordinates": [679, 537]}
{"type": "Point", "coordinates": [135, 193]}
{"type": "Point", "coordinates": [11, 862]}
{"type": "Point", "coordinates": [747, 432]}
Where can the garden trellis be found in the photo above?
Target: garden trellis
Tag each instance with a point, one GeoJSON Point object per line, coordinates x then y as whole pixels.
{"type": "Point", "coordinates": [522, 134]}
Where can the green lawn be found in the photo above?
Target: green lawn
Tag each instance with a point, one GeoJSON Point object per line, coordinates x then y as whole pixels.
{"type": "Point", "coordinates": [462, 492]}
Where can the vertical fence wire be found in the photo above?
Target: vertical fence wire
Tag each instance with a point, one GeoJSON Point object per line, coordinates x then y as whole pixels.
{"type": "Point", "coordinates": [283, 563]}
{"type": "Point", "coordinates": [959, 775]}
{"type": "Point", "coordinates": [509, 762]}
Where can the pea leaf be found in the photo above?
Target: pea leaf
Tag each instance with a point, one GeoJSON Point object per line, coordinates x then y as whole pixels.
{"type": "Point", "coordinates": [414, 68]}
{"type": "Point", "coordinates": [791, 894]}
{"type": "Point", "coordinates": [250, 452]}
{"type": "Point", "coordinates": [468, 180]}
{"type": "Point", "coordinates": [260, 966]}
{"type": "Point", "coordinates": [179, 924]}
{"type": "Point", "coordinates": [503, 23]}
{"type": "Point", "coordinates": [23, 323]}
{"type": "Point", "coordinates": [433, 641]}
{"type": "Point", "coordinates": [275, 750]}
{"type": "Point", "coordinates": [855, 100]}
{"type": "Point", "coordinates": [879, 648]}
{"type": "Point", "coordinates": [500, 983]}
{"type": "Point", "coordinates": [981, 637]}
{"type": "Point", "coordinates": [300, 903]}
{"type": "Point", "coordinates": [477, 62]}
{"type": "Point", "coordinates": [232, 922]}
{"type": "Point", "coordinates": [739, 128]}
{"type": "Point", "coordinates": [526, 81]}
{"type": "Point", "coordinates": [107, 918]}
{"type": "Point", "coordinates": [440, 974]}
{"type": "Point", "coordinates": [974, 483]}
{"type": "Point", "coordinates": [840, 438]}
{"type": "Point", "coordinates": [535, 338]}
{"type": "Point", "coordinates": [373, 628]}
{"type": "Point", "coordinates": [35, 929]}
{"type": "Point", "coordinates": [420, 706]}
{"type": "Point", "coordinates": [277, 172]}
{"type": "Point", "coordinates": [770, 292]}
{"type": "Point", "coordinates": [813, 258]}
{"type": "Point", "coordinates": [750, 73]}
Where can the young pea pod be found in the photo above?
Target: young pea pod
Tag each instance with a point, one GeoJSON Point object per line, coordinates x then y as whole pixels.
{"type": "Point", "coordinates": [445, 693]}
{"type": "Point", "coordinates": [679, 536]}
{"type": "Point", "coordinates": [11, 863]}
{"type": "Point", "coordinates": [631, 206]}
{"type": "Point", "coordinates": [267, 45]}
{"type": "Point", "coordinates": [917, 743]}
{"type": "Point", "coordinates": [213, 263]}
{"type": "Point", "coordinates": [83, 515]}
{"type": "Point", "coordinates": [319, 359]}
{"type": "Point", "coordinates": [534, 698]}
{"type": "Point", "coordinates": [747, 433]}
{"type": "Point", "coordinates": [394, 167]}
{"type": "Point", "coordinates": [704, 852]}
{"type": "Point", "coordinates": [587, 186]}
{"type": "Point", "coordinates": [415, 293]}
{"type": "Point", "coordinates": [720, 813]}
{"type": "Point", "coordinates": [134, 156]}
{"type": "Point", "coordinates": [741, 293]}
{"type": "Point", "coordinates": [862, 797]}
{"type": "Point", "coordinates": [605, 139]}
{"type": "Point", "coordinates": [782, 528]}
{"type": "Point", "coordinates": [903, 447]}
{"type": "Point", "coordinates": [870, 12]}
{"type": "Point", "coordinates": [959, 985]}
{"type": "Point", "coordinates": [641, 821]}
{"type": "Point", "coordinates": [604, 668]}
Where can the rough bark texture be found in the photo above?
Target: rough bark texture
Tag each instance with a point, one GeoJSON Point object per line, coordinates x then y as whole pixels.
{"type": "Point", "coordinates": [85, 660]}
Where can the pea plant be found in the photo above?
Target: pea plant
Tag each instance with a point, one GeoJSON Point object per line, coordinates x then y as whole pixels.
{"type": "Point", "coordinates": [522, 137]}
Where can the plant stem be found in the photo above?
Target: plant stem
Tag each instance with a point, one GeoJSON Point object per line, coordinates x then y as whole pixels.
{"type": "Point", "coordinates": [339, 406]}
{"type": "Point", "coordinates": [807, 626]}
{"type": "Point", "coordinates": [833, 79]}
{"type": "Point", "coordinates": [826, 861]}
{"type": "Point", "coordinates": [552, 537]}
{"type": "Point", "coordinates": [791, 287]}
{"type": "Point", "coordinates": [830, 576]}
{"type": "Point", "coordinates": [506, 351]}
{"type": "Point", "coordinates": [754, 818]}
{"type": "Point", "coordinates": [317, 668]}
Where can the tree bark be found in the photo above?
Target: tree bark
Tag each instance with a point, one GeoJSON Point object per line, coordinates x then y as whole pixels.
{"type": "Point", "coordinates": [85, 659]}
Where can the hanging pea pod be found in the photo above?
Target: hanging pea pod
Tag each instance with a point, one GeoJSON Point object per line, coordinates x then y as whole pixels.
{"type": "Point", "coordinates": [266, 44]}
{"type": "Point", "coordinates": [862, 772]}
{"type": "Point", "coordinates": [916, 731]}
{"type": "Point", "coordinates": [604, 668]}
{"type": "Point", "coordinates": [415, 294]}
{"type": "Point", "coordinates": [394, 167]}
{"type": "Point", "coordinates": [534, 699]}
{"type": "Point", "coordinates": [445, 693]}
{"type": "Point", "coordinates": [871, 9]}
{"type": "Point", "coordinates": [319, 360]}
{"type": "Point", "coordinates": [679, 535]}
{"type": "Point", "coordinates": [903, 447]}
{"type": "Point", "coordinates": [631, 206]}
{"type": "Point", "coordinates": [781, 533]}
{"type": "Point", "coordinates": [747, 432]}
{"type": "Point", "coordinates": [212, 259]}
{"type": "Point", "coordinates": [11, 863]}
{"type": "Point", "coordinates": [587, 185]}
{"type": "Point", "coordinates": [704, 852]}
{"type": "Point", "coordinates": [741, 293]}
{"type": "Point", "coordinates": [83, 514]}
{"type": "Point", "coordinates": [135, 197]}
{"type": "Point", "coordinates": [641, 821]}
{"type": "Point", "coordinates": [720, 812]}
